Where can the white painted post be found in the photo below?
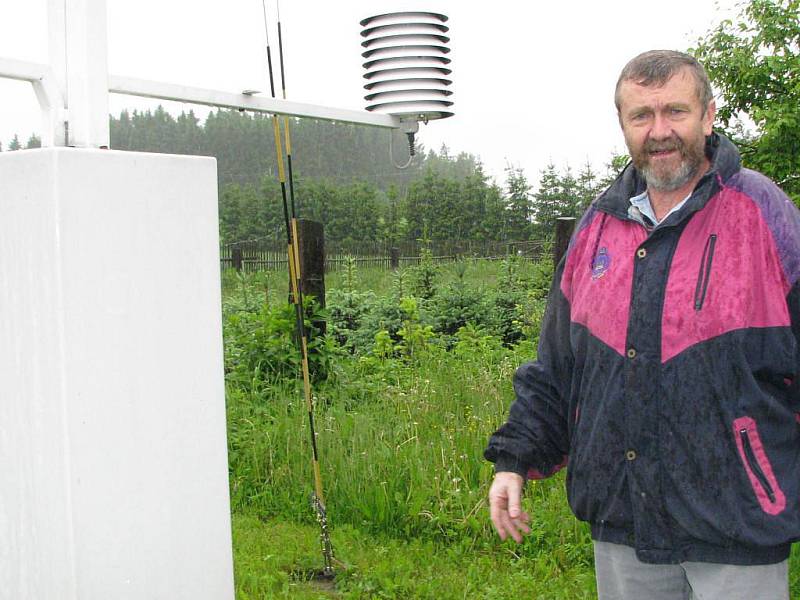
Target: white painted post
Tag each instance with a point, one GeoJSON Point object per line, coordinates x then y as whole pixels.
{"type": "Point", "coordinates": [54, 129]}
{"type": "Point", "coordinates": [79, 58]}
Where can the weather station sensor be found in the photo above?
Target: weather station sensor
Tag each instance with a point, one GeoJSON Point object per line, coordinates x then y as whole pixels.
{"type": "Point", "coordinates": [407, 68]}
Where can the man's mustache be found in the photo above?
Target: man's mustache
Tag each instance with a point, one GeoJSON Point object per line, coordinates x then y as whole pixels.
{"type": "Point", "coordinates": [673, 143]}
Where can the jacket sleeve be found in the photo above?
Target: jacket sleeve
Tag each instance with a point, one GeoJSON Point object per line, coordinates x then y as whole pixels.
{"type": "Point", "coordinates": [533, 442]}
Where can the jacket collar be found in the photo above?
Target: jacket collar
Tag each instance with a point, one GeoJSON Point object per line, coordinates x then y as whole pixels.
{"type": "Point", "coordinates": [725, 162]}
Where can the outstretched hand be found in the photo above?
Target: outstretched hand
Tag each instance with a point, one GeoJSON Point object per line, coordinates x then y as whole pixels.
{"type": "Point", "coordinates": [508, 517]}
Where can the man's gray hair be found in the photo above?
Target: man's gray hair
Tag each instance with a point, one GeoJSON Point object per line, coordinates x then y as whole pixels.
{"type": "Point", "coordinates": [656, 67]}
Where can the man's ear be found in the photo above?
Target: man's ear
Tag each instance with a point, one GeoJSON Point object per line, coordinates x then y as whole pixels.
{"type": "Point", "coordinates": [708, 118]}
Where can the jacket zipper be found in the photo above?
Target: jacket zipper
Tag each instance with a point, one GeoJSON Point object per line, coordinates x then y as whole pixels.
{"type": "Point", "coordinates": [705, 272]}
{"type": "Point", "coordinates": [754, 466]}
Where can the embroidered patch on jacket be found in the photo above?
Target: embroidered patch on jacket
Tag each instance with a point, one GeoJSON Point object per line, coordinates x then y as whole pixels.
{"type": "Point", "coordinates": [601, 263]}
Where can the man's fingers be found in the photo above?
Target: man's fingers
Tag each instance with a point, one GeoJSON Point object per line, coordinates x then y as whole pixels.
{"type": "Point", "coordinates": [509, 527]}
{"type": "Point", "coordinates": [522, 524]}
{"type": "Point", "coordinates": [513, 489]}
{"type": "Point", "coordinates": [503, 523]}
{"type": "Point", "coordinates": [497, 520]}
{"type": "Point", "coordinates": [504, 506]}
{"type": "Point", "coordinates": [514, 494]}
{"type": "Point", "coordinates": [514, 530]}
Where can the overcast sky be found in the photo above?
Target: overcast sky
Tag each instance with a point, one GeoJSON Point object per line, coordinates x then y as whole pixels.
{"type": "Point", "coordinates": [533, 80]}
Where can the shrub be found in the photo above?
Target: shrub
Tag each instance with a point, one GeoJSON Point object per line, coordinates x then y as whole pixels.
{"type": "Point", "coordinates": [425, 274]}
{"type": "Point", "coordinates": [347, 311]}
{"type": "Point", "coordinates": [457, 305]}
{"type": "Point", "coordinates": [260, 346]}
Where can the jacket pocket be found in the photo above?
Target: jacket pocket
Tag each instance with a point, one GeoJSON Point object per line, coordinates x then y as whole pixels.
{"type": "Point", "coordinates": [704, 274]}
{"type": "Point", "coordinates": [757, 466]}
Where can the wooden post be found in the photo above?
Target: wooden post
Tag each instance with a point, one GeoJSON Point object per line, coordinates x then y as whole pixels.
{"type": "Point", "coordinates": [564, 228]}
{"type": "Point", "coordinates": [394, 258]}
{"type": "Point", "coordinates": [311, 242]}
{"type": "Point", "coordinates": [236, 257]}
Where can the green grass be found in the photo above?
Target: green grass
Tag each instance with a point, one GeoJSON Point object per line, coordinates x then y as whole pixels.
{"type": "Point", "coordinates": [277, 559]}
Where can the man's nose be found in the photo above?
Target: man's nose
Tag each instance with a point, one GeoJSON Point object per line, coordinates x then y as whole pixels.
{"type": "Point", "coordinates": [662, 129]}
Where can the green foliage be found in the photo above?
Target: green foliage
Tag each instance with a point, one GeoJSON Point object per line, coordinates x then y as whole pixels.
{"type": "Point", "coordinates": [335, 153]}
{"type": "Point", "coordinates": [518, 204]}
{"type": "Point", "coordinates": [508, 309]}
{"type": "Point", "coordinates": [400, 281]}
{"type": "Point", "coordinates": [385, 315]}
{"type": "Point", "coordinates": [425, 273]}
{"type": "Point", "coordinates": [447, 208]}
{"type": "Point", "coordinates": [474, 343]}
{"type": "Point", "coordinates": [350, 276]}
{"type": "Point", "coordinates": [754, 62]}
{"type": "Point", "coordinates": [506, 302]}
{"type": "Point", "coordinates": [260, 346]}
{"type": "Point", "coordinates": [436, 206]}
{"type": "Point", "coordinates": [561, 194]}
{"type": "Point", "coordinates": [384, 345]}
{"type": "Point", "coordinates": [347, 313]}
{"type": "Point", "coordinates": [247, 213]}
{"type": "Point", "coordinates": [456, 305]}
{"type": "Point", "coordinates": [541, 277]}
{"type": "Point", "coordinates": [415, 336]}
{"type": "Point", "coordinates": [551, 200]}
{"type": "Point", "coordinates": [350, 212]}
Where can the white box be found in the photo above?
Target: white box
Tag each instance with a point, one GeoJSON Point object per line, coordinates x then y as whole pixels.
{"type": "Point", "coordinates": [113, 456]}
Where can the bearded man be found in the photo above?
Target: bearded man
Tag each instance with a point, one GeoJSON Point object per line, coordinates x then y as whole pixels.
{"type": "Point", "coordinates": [667, 372]}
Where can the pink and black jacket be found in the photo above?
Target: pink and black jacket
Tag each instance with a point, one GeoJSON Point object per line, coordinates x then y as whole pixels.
{"type": "Point", "coordinates": [667, 373]}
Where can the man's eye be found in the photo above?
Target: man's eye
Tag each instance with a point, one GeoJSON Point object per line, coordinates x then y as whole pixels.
{"type": "Point", "coordinates": [677, 111]}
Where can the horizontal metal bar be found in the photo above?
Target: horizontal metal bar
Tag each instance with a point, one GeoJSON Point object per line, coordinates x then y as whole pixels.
{"type": "Point", "coordinates": [35, 72]}
{"type": "Point", "coordinates": [182, 93]}
{"type": "Point", "coordinates": [21, 70]}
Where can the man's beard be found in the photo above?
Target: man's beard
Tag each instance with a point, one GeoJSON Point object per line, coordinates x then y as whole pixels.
{"type": "Point", "coordinates": [665, 179]}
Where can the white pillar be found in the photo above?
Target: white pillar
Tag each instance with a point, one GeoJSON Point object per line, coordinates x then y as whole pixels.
{"type": "Point", "coordinates": [113, 455]}
{"type": "Point", "coordinates": [79, 58]}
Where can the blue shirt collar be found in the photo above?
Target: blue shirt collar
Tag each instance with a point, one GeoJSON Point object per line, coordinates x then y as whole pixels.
{"type": "Point", "coordinates": [640, 205]}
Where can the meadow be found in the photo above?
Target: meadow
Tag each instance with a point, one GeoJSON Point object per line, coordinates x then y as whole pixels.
{"type": "Point", "coordinates": [410, 380]}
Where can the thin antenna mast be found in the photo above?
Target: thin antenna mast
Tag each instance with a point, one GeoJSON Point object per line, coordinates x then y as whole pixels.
{"type": "Point", "coordinates": [285, 118]}
{"type": "Point", "coordinates": [293, 254]}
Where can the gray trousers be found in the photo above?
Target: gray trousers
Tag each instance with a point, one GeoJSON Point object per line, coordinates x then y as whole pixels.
{"type": "Point", "coordinates": [622, 576]}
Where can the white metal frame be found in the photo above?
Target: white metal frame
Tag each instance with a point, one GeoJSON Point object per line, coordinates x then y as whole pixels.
{"type": "Point", "coordinates": [51, 101]}
{"type": "Point", "coordinates": [73, 94]}
{"type": "Point", "coordinates": [181, 93]}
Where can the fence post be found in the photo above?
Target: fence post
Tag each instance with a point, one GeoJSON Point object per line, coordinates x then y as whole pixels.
{"type": "Point", "coordinates": [236, 257]}
{"type": "Point", "coordinates": [394, 258]}
{"type": "Point", "coordinates": [311, 243]}
{"type": "Point", "coordinates": [564, 228]}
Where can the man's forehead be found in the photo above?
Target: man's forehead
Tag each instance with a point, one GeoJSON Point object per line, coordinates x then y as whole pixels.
{"type": "Point", "coordinates": [681, 86]}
